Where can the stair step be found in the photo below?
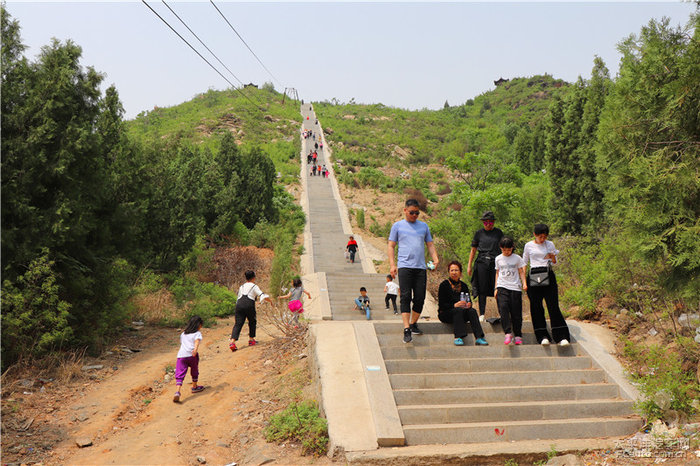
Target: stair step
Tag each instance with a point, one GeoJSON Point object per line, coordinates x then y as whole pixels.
{"type": "Point", "coordinates": [404, 366]}
{"type": "Point", "coordinates": [503, 379]}
{"type": "Point", "coordinates": [415, 351]}
{"type": "Point", "coordinates": [512, 411]}
{"type": "Point", "coordinates": [521, 430]}
{"type": "Point", "coordinates": [493, 336]}
{"type": "Point", "coordinates": [490, 394]}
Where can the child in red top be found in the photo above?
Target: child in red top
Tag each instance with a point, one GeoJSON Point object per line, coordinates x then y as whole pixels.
{"type": "Point", "coordinates": [352, 249]}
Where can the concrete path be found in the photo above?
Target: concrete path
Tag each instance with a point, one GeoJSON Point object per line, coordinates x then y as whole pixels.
{"type": "Point", "coordinates": [377, 391]}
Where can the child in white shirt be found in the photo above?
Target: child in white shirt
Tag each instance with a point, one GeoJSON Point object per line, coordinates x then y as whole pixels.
{"type": "Point", "coordinates": [510, 280]}
{"type": "Point", "coordinates": [188, 356]}
{"type": "Point", "coordinates": [392, 290]}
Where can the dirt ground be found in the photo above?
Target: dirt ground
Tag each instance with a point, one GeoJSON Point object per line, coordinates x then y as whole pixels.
{"type": "Point", "coordinates": [126, 410]}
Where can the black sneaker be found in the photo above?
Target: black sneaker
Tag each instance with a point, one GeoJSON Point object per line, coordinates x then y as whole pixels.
{"type": "Point", "coordinates": [407, 335]}
{"type": "Point", "coordinates": [415, 330]}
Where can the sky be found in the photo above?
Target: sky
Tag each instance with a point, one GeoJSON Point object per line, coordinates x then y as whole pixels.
{"type": "Point", "coordinates": [410, 55]}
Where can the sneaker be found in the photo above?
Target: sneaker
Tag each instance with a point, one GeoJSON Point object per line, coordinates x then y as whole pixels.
{"type": "Point", "coordinates": [407, 335]}
{"type": "Point", "coordinates": [481, 342]}
{"type": "Point", "coordinates": [518, 341]}
{"type": "Point", "coordinates": [482, 318]}
{"type": "Point", "coordinates": [176, 398]}
{"type": "Point", "coordinates": [564, 342]}
{"type": "Point", "coordinates": [544, 342]}
{"type": "Point", "coordinates": [386, 308]}
{"type": "Point", "coordinates": [415, 330]}
{"type": "Point", "coordinates": [252, 342]}
{"type": "Point", "coordinates": [233, 346]}
{"type": "Point", "coordinates": [459, 342]}
{"type": "Point", "coordinates": [509, 338]}
{"type": "Point", "coordinates": [197, 389]}
{"type": "Point", "coordinates": [396, 313]}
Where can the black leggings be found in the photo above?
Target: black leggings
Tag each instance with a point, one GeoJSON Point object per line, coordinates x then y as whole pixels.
{"type": "Point", "coordinates": [459, 316]}
{"type": "Point", "coordinates": [510, 307]}
{"type": "Point", "coordinates": [392, 298]}
{"type": "Point", "coordinates": [412, 284]}
{"type": "Point", "coordinates": [245, 309]}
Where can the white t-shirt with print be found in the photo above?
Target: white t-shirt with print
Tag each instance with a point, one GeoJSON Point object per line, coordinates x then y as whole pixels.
{"type": "Point", "coordinates": [507, 271]}
{"type": "Point", "coordinates": [392, 288]}
{"type": "Point", "coordinates": [187, 343]}
{"type": "Point", "coordinates": [534, 253]}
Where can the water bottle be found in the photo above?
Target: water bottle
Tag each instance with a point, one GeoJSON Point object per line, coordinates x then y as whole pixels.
{"type": "Point", "coordinates": [465, 297]}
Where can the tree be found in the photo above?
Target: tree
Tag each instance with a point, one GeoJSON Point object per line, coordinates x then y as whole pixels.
{"type": "Point", "coordinates": [648, 150]}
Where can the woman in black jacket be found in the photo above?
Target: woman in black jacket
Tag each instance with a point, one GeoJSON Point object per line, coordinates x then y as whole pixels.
{"type": "Point", "coordinates": [455, 307]}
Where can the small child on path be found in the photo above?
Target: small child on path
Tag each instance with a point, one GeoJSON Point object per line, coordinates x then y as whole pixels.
{"type": "Point", "coordinates": [245, 309]}
{"type": "Point", "coordinates": [510, 281]}
{"type": "Point", "coordinates": [188, 356]}
{"type": "Point", "coordinates": [351, 248]}
{"type": "Point", "coordinates": [362, 302]}
{"type": "Point", "coordinates": [392, 290]}
{"type": "Point", "coordinates": [295, 305]}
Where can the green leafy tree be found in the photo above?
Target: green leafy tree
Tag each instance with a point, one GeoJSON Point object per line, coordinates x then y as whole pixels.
{"type": "Point", "coordinates": [649, 148]}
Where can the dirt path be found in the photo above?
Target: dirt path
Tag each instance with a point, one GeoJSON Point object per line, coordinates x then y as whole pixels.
{"type": "Point", "coordinates": [130, 417]}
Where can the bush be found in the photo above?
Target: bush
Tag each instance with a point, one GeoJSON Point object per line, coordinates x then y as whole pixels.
{"type": "Point", "coordinates": [301, 422]}
{"type": "Point", "coordinates": [417, 194]}
{"type": "Point", "coordinates": [360, 216]}
{"type": "Point", "coordinates": [34, 318]}
{"type": "Point", "coordinates": [206, 300]}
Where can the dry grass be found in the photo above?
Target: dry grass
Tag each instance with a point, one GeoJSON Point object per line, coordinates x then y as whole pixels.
{"type": "Point", "coordinates": [154, 307]}
{"type": "Point", "coordinates": [61, 367]}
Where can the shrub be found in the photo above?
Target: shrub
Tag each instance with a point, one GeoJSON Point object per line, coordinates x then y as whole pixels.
{"type": "Point", "coordinates": [34, 318]}
{"type": "Point", "coordinates": [417, 194]}
{"type": "Point", "coordinates": [360, 216]}
{"type": "Point", "coordinates": [301, 422]}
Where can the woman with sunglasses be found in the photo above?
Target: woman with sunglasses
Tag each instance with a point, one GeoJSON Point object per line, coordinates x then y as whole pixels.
{"type": "Point", "coordinates": [485, 242]}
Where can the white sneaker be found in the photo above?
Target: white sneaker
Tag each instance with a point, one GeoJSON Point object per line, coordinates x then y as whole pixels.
{"type": "Point", "coordinates": [564, 342]}
{"type": "Point", "coordinates": [481, 318]}
{"type": "Point", "coordinates": [544, 342]}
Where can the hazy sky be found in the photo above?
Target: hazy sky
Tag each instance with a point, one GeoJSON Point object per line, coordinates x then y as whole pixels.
{"type": "Point", "coordinates": [410, 55]}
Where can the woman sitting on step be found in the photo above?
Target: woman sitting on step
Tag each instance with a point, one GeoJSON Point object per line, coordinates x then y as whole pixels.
{"type": "Point", "coordinates": [455, 306]}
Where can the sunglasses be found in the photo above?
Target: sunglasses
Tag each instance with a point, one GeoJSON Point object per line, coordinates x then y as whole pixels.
{"type": "Point", "coordinates": [414, 212]}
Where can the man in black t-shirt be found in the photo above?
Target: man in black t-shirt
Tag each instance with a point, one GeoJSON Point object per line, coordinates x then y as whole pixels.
{"type": "Point", "coordinates": [485, 242]}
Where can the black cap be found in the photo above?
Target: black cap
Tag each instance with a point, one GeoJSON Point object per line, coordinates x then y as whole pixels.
{"type": "Point", "coordinates": [488, 215]}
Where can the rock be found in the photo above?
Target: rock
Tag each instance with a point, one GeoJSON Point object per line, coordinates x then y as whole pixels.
{"type": "Point", "coordinates": [239, 389]}
{"type": "Point", "coordinates": [222, 444]}
{"type": "Point", "coordinates": [166, 378]}
{"type": "Point", "coordinates": [137, 323]}
{"type": "Point", "coordinates": [95, 367]}
{"type": "Point", "coordinates": [302, 356]}
{"type": "Point", "coordinates": [697, 338]}
{"type": "Point", "coordinates": [653, 332]}
{"type": "Point", "coordinates": [683, 318]}
{"type": "Point", "coordinates": [565, 460]}
{"type": "Point", "coordinates": [243, 439]}
{"type": "Point", "coordinates": [202, 460]}
{"type": "Point", "coordinates": [83, 442]}
{"type": "Point", "coordinates": [268, 362]}
{"type": "Point", "coordinates": [83, 417]}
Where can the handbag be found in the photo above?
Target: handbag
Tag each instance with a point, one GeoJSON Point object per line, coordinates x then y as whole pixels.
{"type": "Point", "coordinates": [540, 278]}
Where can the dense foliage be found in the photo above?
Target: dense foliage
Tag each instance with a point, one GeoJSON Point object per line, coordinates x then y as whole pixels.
{"type": "Point", "coordinates": [90, 202]}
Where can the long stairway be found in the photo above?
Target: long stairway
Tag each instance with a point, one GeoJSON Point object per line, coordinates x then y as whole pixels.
{"type": "Point", "coordinates": [450, 394]}
{"type": "Point", "coordinates": [457, 395]}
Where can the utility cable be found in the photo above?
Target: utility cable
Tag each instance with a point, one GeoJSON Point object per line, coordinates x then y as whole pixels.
{"type": "Point", "coordinates": [205, 45]}
{"type": "Point", "coordinates": [200, 55]}
{"type": "Point", "coordinates": [246, 44]}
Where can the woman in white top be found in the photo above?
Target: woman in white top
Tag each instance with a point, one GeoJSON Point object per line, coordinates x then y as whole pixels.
{"type": "Point", "coordinates": [245, 309]}
{"type": "Point", "coordinates": [540, 254]}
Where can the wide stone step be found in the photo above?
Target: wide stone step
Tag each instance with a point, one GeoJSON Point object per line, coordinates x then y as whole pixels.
{"type": "Point", "coordinates": [512, 411]}
{"type": "Point", "coordinates": [417, 396]}
{"type": "Point", "coordinates": [416, 351]}
{"type": "Point", "coordinates": [512, 431]}
{"type": "Point", "coordinates": [436, 327]}
{"type": "Point", "coordinates": [412, 366]}
{"type": "Point", "coordinates": [494, 336]}
{"type": "Point", "coordinates": [502, 379]}
{"type": "Point", "coordinates": [346, 313]}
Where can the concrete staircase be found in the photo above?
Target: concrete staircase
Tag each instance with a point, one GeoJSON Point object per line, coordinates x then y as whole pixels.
{"type": "Point", "coordinates": [450, 394]}
{"type": "Point", "coordinates": [432, 392]}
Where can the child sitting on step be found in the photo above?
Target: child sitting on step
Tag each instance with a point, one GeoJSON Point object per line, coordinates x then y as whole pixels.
{"type": "Point", "coordinates": [362, 302]}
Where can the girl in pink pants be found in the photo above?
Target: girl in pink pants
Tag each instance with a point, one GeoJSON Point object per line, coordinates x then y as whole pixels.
{"type": "Point", "coordinates": [188, 356]}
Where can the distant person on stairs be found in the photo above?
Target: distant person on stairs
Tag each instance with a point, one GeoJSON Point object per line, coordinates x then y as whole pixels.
{"type": "Point", "coordinates": [351, 248]}
{"type": "Point", "coordinates": [362, 302]}
{"type": "Point", "coordinates": [455, 306]}
{"type": "Point", "coordinates": [245, 309]}
{"type": "Point", "coordinates": [485, 242]}
{"type": "Point", "coordinates": [412, 236]}
{"type": "Point", "coordinates": [392, 290]}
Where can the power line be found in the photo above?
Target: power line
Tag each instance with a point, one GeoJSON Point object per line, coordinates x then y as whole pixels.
{"type": "Point", "coordinates": [246, 44]}
{"type": "Point", "coordinates": [200, 55]}
{"type": "Point", "coordinates": [203, 44]}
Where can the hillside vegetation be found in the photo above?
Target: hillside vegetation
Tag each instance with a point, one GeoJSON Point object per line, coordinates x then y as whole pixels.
{"type": "Point", "coordinates": [610, 164]}
{"type": "Point", "coordinates": [97, 211]}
